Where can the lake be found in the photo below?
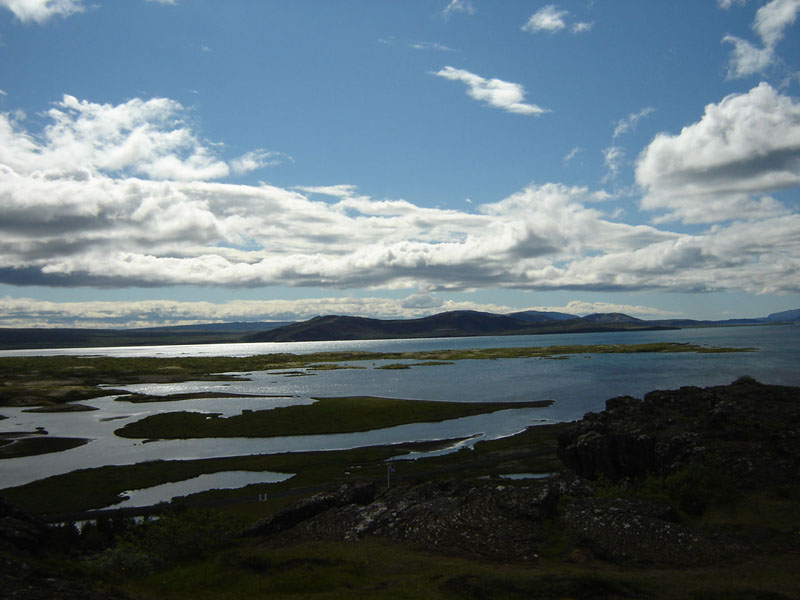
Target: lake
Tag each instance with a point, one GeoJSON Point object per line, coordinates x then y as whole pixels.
{"type": "Point", "coordinates": [577, 385]}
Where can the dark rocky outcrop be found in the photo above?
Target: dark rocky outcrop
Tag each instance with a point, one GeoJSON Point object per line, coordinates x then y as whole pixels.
{"type": "Point", "coordinates": [488, 518]}
{"type": "Point", "coordinates": [634, 530]}
{"type": "Point", "coordinates": [747, 430]}
{"type": "Point", "coordinates": [352, 493]}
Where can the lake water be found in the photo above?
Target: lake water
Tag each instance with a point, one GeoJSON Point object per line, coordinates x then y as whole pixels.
{"type": "Point", "coordinates": [577, 385]}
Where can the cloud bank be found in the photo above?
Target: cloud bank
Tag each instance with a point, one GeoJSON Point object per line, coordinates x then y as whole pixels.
{"type": "Point", "coordinates": [129, 195]}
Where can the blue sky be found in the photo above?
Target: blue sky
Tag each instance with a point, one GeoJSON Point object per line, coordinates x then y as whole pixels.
{"type": "Point", "coordinates": [166, 162]}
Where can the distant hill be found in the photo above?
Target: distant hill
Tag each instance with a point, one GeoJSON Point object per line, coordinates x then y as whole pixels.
{"type": "Point", "coordinates": [448, 324]}
{"type": "Point", "coordinates": [209, 333]}
{"type": "Point", "coordinates": [787, 316]}
{"type": "Point", "coordinates": [537, 316]}
{"type": "Point", "coordinates": [611, 318]}
{"type": "Point", "coordinates": [461, 323]}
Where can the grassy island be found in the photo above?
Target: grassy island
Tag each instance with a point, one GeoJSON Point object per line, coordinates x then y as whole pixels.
{"type": "Point", "coordinates": [325, 416]}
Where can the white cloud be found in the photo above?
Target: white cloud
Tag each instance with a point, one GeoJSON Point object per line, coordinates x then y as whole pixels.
{"type": "Point", "coordinates": [612, 158]}
{"type": "Point", "coordinates": [614, 155]}
{"type": "Point", "coordinates": [77, 209]}
{"type": "Point", "coordinates": [773, 18]}
{"type": "Point", "coordinates": [458, 6]}
{"type": "Point", "coordinates": [148, 138]}
{"type": "Point", "coordinates": [629, 123]}
{"type": "Point", "coordinates": [582, 27]}
{"type": "Point", "coordinates": [431, 46]}
{"type": "Point", "coordinates": [28, 312]}
{"type": "Point", "coordinates": [720, 167]}
{"type": "Point", "coordinates": [256, 159]}
{"type": "Point", "coordinates": [770, 24]}
{"type": "Point", "coordinates": [494, 92]}
{"type": "Point", "coordinates": [572, 154]}
{"type": "Point", "coordinates": [547, 18]}
{"type": "Point", "coordinates": [39, 11]}
{"type": "Point", "coordinates": [551, 19]}
{"type": "Point", "coordinates": [726, 4]}
{"type": "Point", "coordinates": [579, 307]}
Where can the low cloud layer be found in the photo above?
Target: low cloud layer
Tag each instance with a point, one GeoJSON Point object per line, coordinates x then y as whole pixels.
{"type": "Point", "coordinates": [28, 312]}
{"type": "Point", "coordinates": [128, 195]}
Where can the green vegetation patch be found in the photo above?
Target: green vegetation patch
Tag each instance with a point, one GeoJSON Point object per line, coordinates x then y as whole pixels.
{"type": "Point", "coordinates": [427, 363]}
{"type": "Point", "coordinates": [61, 408]}
{"type": "Point", "coordinates": [31, 446]}
{"type": "Point", "coordinates": [325, 416]}
{"type": "Point", "coordinates": [137, 398]}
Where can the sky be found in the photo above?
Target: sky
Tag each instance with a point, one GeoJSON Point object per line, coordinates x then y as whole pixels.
{"type": "Point", "coordinates": [169, 162]}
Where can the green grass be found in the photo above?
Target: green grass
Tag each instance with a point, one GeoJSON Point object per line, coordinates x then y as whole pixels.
{"type": "Point", "coordinates": [34, 445]}
{"type": "Point", "coordinates": [376, 569]}
{"type": "Point", "coordinates": [325, 416]}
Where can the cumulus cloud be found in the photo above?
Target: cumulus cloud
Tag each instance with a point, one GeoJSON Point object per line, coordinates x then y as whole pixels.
{"type": "Point", "coordinates": [723, 166]}
{"type": "Point", "coordinates": [770, 24]}
{"type": "Point", "coordinates": [551, 19]}
{"type": "Point", "coordinates": [39, 11]}
{"type": "Point", "coordinates": [81, 203]}
{"type": "Point", "coordinates": [494, 92]}
{"type": "Point", "coordinates": [139, 137]}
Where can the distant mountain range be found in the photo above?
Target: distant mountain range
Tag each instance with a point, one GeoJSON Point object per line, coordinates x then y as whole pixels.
{"type": "Point", "coordinates": [462, 323]}
{"type": "Point", "coordinates": [472, 323]}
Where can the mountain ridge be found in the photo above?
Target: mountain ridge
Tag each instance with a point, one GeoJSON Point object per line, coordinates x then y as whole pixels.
{"type": "Point", "coordinates": [460, 323]}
